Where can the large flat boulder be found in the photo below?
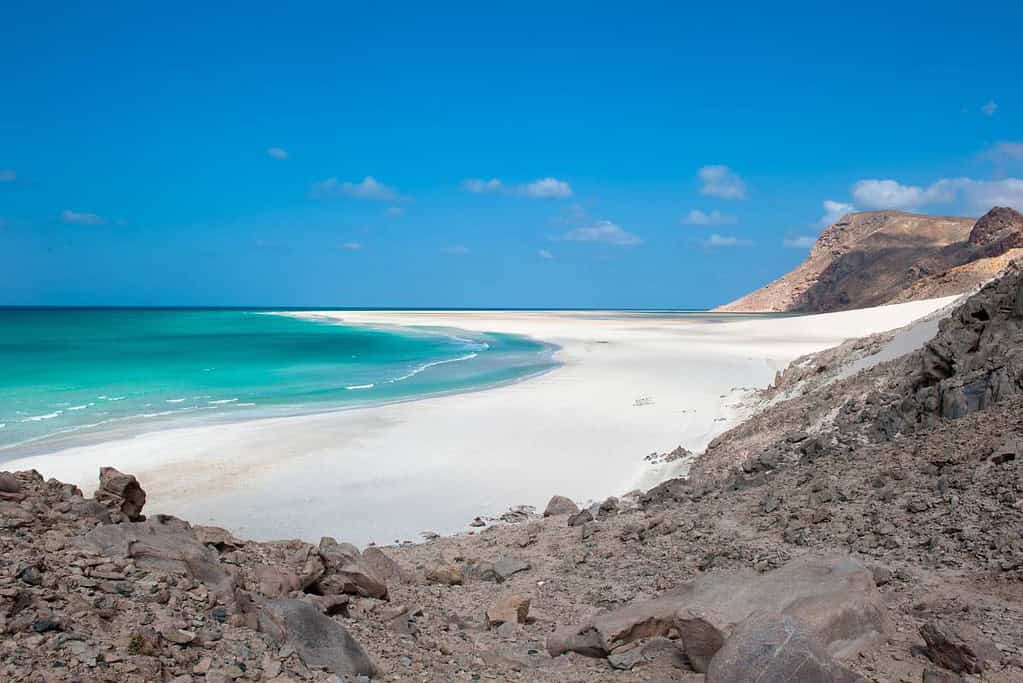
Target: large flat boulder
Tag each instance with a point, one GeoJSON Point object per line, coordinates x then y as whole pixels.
{"type": "Point", "coordinates": [776, 648]}
{"type": "Point", "coordinates": [161, 543]}
{"type": "Point", "coordinates": [834, 595]}
{"type": "Point", "coordinates": [319, 640]}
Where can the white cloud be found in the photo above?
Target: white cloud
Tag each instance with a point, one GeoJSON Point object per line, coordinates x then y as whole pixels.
{"type": "Point", "coordinates": [603, 231]}
{"type": "Point", "coordinates": [721, 182]}
{"type": "Point", "coordinates": [69, 216]}
{"type": "Point", "coordinates": [891, 194]}
{"type": "Point", "coordinates": [800, 242]}
{"type": "Point", "coordinates": [978, 195]}
{"type": "Point", "coordinates": [697, 217]}
{"type": "Point", "coordinates": [544, 254]}
{"type": "Point", "coordinates": [833, 211]}
{"type": "Point", "coordinates": [352, 246]}
{"type": "Point", "coordinates": [717, 240]}
{"type": "Point", "coordinates": [456, 250]}
{"type": "Point", "coordinates": [395, 211]}
{"type": "Point", "coordinates": [368, 188]}
{"type": "Point", "coordinates": [480, 186]}
{"type": "Point", "coordinates": [277, 153]}
{"type": "Point", "coordinates": [544, 188]}
{"type": "Point", "coordinates": [989, 108]}
{"type": "Point", "coordinates": [7, 175]}
{"type": "Point", "coordinates": [981, 195]}
{"type": "Point", "coordinates": [547, 188]}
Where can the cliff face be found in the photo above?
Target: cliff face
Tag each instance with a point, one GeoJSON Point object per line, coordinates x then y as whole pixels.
{"type": "Point", "coordinates": [874, 258]}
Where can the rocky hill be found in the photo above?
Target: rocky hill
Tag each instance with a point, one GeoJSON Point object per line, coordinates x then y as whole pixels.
{"type": "Point", "coordinates": [864, 525]}
{"type": "Point", "coordinates": [874, 258]}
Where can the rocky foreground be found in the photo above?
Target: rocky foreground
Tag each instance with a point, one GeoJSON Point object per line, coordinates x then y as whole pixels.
{"type": "Point", "coordinates": [863, 527]}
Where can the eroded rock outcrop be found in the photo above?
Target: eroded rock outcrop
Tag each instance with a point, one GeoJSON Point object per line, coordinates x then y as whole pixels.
{"type": "Point", "coordinates": [121, 493]}
{"type": "Point", "coordinates": [834, 595]}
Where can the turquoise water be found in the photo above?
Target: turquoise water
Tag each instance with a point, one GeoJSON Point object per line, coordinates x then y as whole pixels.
{"type": "Point", "coordinates": [68, 374]}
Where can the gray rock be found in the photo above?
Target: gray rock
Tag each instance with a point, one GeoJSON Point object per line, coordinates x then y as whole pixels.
{"type": "Point", "coordinates": [775, 648]}
{"type": "Point", "coordinates": [10, 484]}
{"type": "Point", "coordinates": [383, 566]}
{"type": "Point", "coordinates": [959, 647]}
{"type": "Point", "coordinates": [336, 554]}
{"type": "Point", "coordinates": [161, 543]}
{"type": "Point", "coordinates": [506, 567]}
{"type": "Point", "coordinates": [834, 595]}
{"type": "Point", "coordinates": [580, 518]}
{"type": "Point", "coordinates": [319, 640]}
{"type": "Point", "coordinates": [560, 505]}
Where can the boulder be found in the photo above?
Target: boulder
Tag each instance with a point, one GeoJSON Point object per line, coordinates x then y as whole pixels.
{"type": "Point", "coordinates": [336, 554]}
{"type": "Point", "coordinates": [559, 505]}
{"type": "Point", "coordinates": [509, 609]}
{"type": "Point", "coordinates": [161, 543]}
{"type": "Point", "coordinates": [354, 578]}
{"type": "Point", "coordinates": [506, 567]}
{"type": "Point", "coordinates": [383, 566]}
{"type": "Point", "coordinates": [598, 636]}
{"type": "Point", "coordinates": [10, 487]}
{"type": "Point", "coordinates": [776, 648]}
{"type": "Point", "coordinates": [959, 647]}
{"type": "Point", "coordinates": [121, 493]}
{"type": "Point", "coordinates": [580, 518]}
{"type": "Point", "coordinates": [319, 640]}
{"type": "Point", "coordinates": [9, 483]}
{"type": "Point", "coordinates": [446, 573]}
{"type": "Point", "coordinates": [834, 595]}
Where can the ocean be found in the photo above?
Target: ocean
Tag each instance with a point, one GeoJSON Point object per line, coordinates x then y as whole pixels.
{"type": "Point", "coordinates": [71, 376]}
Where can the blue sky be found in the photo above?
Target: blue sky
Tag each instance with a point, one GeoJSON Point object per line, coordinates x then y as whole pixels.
{"type": "Point", "coordinates": [535, 155]}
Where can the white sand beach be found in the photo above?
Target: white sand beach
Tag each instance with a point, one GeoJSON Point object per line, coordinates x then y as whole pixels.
{"type": "Point", "coordinates": [631, 384]}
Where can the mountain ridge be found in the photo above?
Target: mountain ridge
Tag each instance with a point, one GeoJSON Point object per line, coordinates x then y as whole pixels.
{"type": "Point", "coordinates": [874, 258]}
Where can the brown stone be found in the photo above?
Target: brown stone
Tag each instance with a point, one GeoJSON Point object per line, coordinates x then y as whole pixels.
{"type": "Point", "coordinates": [510, 608]}
{"type": "Point", "coordinates": [445, 573]}
{"type": "Point", "coordinates": [121, 493]}
{"type": "Point", "coordinates": [959, 647]}
{"type": "Point", "coordinates": [560, 505]}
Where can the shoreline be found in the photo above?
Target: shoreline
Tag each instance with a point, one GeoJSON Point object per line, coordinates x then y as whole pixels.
{"type": "Point", "coordinates": [629, 386]}
{"type": "Point", "coordinates": [52, 444]}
